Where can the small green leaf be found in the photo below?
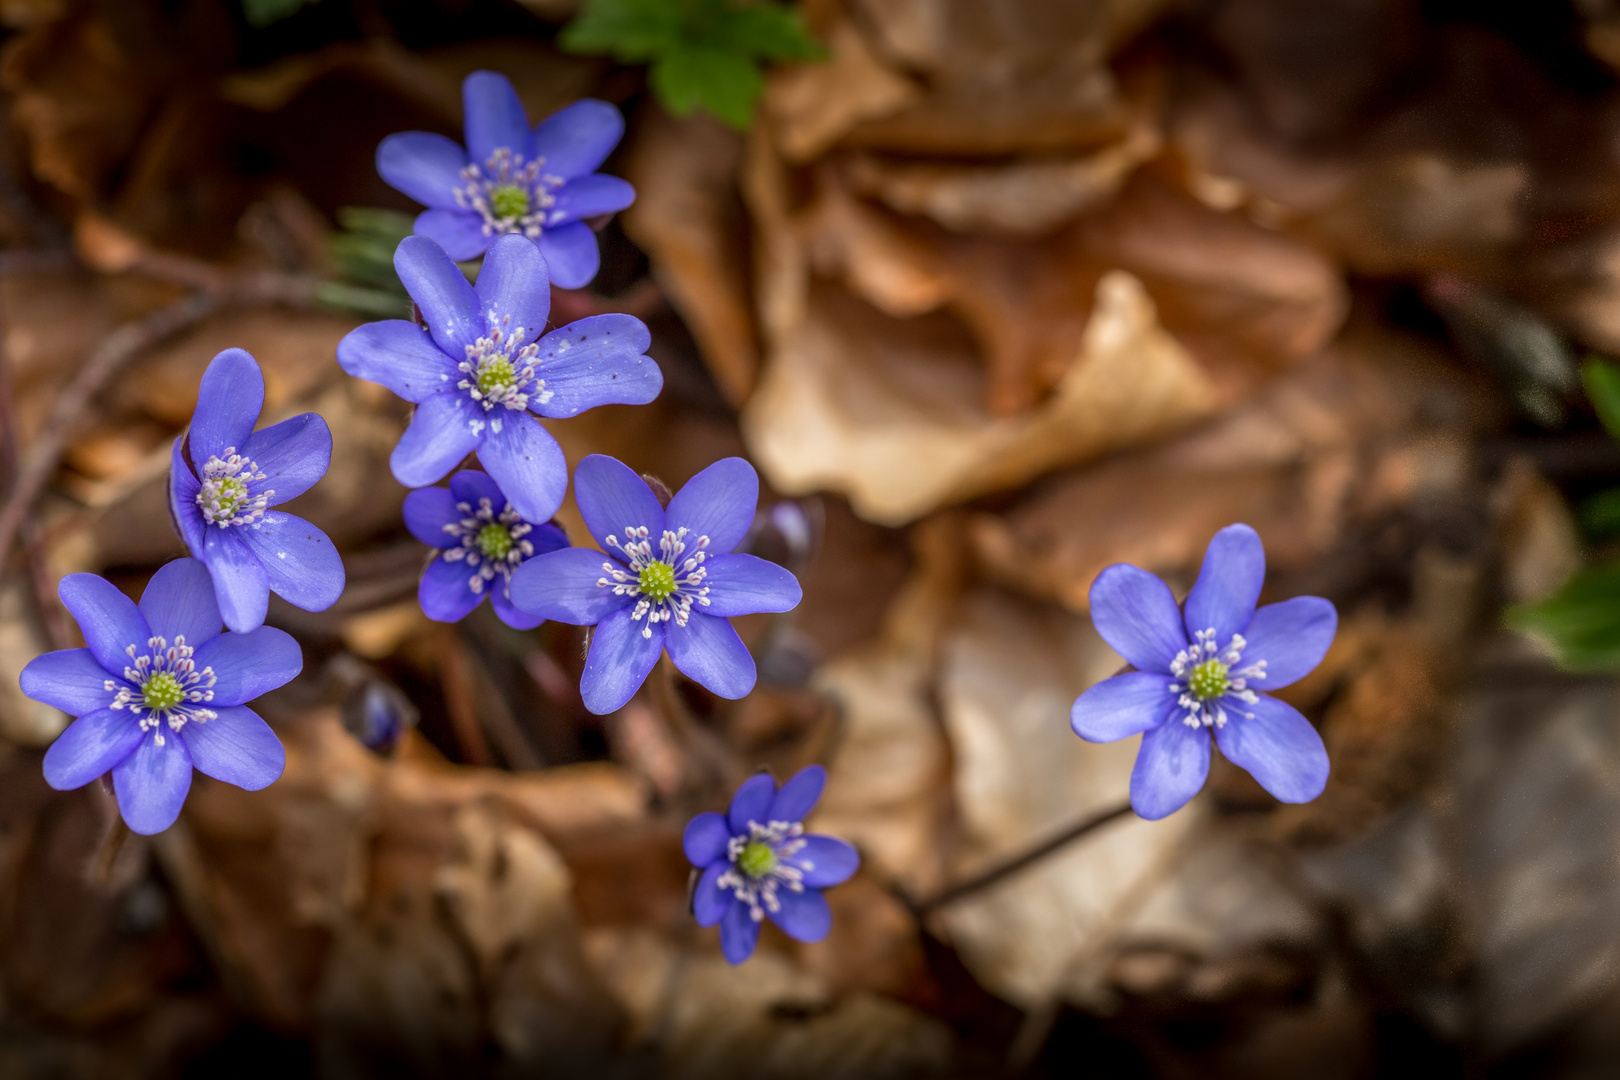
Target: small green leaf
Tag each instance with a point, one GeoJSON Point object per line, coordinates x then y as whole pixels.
{"type": "Point", "coordinates": [1581, 622]}
{"type": "Point", "coordinates": [1602, 380]}
{"type": "Point", "coordinates": [1600, 515]}
{"type": "Point", "coordinates": [724, 83]}
{"type": "Point", "coordinates": [631, 31]}
{"type": "Point", "coordinates": [768, 31]}
{"type": "Point", "coordinates": [363, 253]}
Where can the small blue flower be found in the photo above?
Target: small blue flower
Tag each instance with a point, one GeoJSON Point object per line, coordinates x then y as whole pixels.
{"type": "Point", "coordinates": [1199, 671]}
{"type": "Point", "coordinates": [482, 540]}
{"type": "Point", "coordinates": [668, 580]}
{"type": "Point", "coordinates": [541, 184]}
{"type": "Point", "coordinates": [221, 495]}
{"type": "Point", "coordinates": [160, 690]}
{"type": "Point", "coordinates": [480, 370]}
{"type": "Point", "coordinates": [757, 860]}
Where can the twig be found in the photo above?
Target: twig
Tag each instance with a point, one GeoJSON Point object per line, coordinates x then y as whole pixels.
{"type": "Point", "coordinates": [1008, 867]}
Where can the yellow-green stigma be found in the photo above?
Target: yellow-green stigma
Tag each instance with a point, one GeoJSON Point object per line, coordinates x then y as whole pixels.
{"type": "Point", "coordinates": [509, 201]}
{"type": "Point", "coordinates": [1208, 680]}
{"type": "Point", "coordinates": [757, 859]}
{"type": "Point", "coordinates": [494, 540]}
{"type": "Point", "coordinates": [495, 374]}
{"type": "Point", "coordinates": [657, 581]}
{"type": "Point", "coordinates": [228, 493]}
{"type": "Point", "coordinates": [162, 692]}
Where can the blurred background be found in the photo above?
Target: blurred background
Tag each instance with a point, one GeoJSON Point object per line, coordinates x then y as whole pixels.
{"type": "Point", "coordinates": [994, 293]}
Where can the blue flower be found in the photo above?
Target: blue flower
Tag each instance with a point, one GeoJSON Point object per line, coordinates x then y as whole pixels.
{"type": "Point", "coordinates": [158, 691]}
{"type": "Point", "coordinates": [668, 579]}
{"type": "Point", "coordinates": [223, 480]}
{"type": "Point", "coordinates": [541, 184]}
{"type": "Point", "coordinates": [480, 369]}
{"type": "Point", "coordinates": [1199, 671]}
{"type": "Point", "coordinates": [757, 860]}
{"type": "Point", "coordinates": [482, 540]}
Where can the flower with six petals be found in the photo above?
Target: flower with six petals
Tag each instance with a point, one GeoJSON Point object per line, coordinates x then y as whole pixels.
{"type": "Point", "coordinates": [758, 863]}
{"type": "Point", "coordinates": [664, 579]}
{"type": "Point", "coordinates": [1199, 671]}
{"type": "Point", "coordinates": [508, 180]}
{"type": "Point", "coordinates": [159, 690]}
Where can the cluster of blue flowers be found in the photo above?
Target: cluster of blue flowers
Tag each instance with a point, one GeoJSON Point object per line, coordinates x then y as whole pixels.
{"type": "Point", "coordinates": [162, 686]}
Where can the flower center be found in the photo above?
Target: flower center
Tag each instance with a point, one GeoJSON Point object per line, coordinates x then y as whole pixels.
{"type": "Point", "coordinates": [494, 541]}
{"type": "Point", "coordinates": [1208, 680]}
{"type": "Point", "coordinates": [165, 685]}
{"type": "Point", "coordinates": [757, 859]}
{"type": "Point", "coordinates": [508, 201]}
{"type": "Point", "coordinates": [224, 497]}
{"type": "Point", "coordinates": [510, 194]}
{"type": "Point", "coordinates": [490, 542]}
{"type": "Point", "coordinates": [495, 374]}
{"type": "Point", "coordinates": [162, 692]}
{"type": "Point", "coordinates": [763, 864]}
{"type": "Point", "coordinates": [667, 586]}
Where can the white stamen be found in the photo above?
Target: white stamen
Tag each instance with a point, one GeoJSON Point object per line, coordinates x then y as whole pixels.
{"type": "Point", "coordinates": [687, 575]}
{"type": "Point", "coordinates": [226, 497]}
{"type": "Point", "coordinates": [175, 662]}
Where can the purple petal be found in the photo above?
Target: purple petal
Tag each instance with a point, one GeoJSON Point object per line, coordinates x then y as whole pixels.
{"type": "Point", "coordinates": [293, 455]}
{"type": "Point", "coordinates": [799, 795]}
{"type": "Point", "coordinates": [803, 916]}
{"type": "Point", "coordinates": [576, 140]}
{"type": "Point", "coordinates": [445, 593]}
{"type": "Point", "coordinates": [90, 747]}
{"type": "Point", "coordinates": [237, 747]}
{"type": "Point", "coordinates": [247, 665]}
{"type": "Point", "coordinates": [739, 933]}
{"type": "Point", "coordinates": [525, 461]}
{"type": "Point", "coordinates": [572, 258]}
{"type": "Point", "coordinates": [228, 405]}
{"type": "Point", "coordinates": [618, 662]}
{"type": "Point", "coordinates": [183, 488]}
{"type": "Point", "coordinates": [179, 601]}
{"type": "Point", "coordinates": [826, 861]}
{"type": "Point", "coordinates": [705, 838]}
{"type": "Point", "coordinates": [746, 584]}
{"type": "Point", "coordinates": [459, 232]}
{"type": "Point", "coordinates": [588, 197]}
{"type": "Point", "coordinates": [562, 586]}
{"type": "Point", "coordinates": [752, 803]}
{"type": "Point", "coordinates": [109, 620]}
{"type": "Point", "coordinates": [494, 116]}
{"type": "Point", "coordinates": [1123, 706]}
{"type": "Point", "coordinates": [546, 539]}
{"type": "Point", "coordinates": [1277, 746]}
{"type": "Point", "coordinates": [399, 355]}
{"type": "Point", "coordinates": [611, 498]}
{"type": "Point", "coordinates": [70, 679]}
{"type": "Point", "coordinates": [718, 503]}
{"type": "Point", "coordinates": [1291, 637]}
{"type": "Point", "coordinates": [709, 652]}
{"type": "Point", "coordinates": [152, 783]}
{"type": "Point", "coordinates": [1229, 584]}
{"type": "Point", "coordinates": [470, 485]}
{"type": "Point", "coordinates": [709, 901]}
{"type": "Point", "coordinates": [514, 289]}
{"type": "Point", "coordinates": [428, 511]}
{"type": "Point", "coordinates": [500, 598]}
{"type": "Point", "coordinates": [300, 564]}
{"type": "Point", "coordinates": [446, 428]}
{"type": "Point", "coordinates": [425, 166]}
{"type": "Point", "coordinates": [1136, 614]}
{"type": "Point", "coordinates": [1170, 769]}
{"type": "Point", "coordinates": [597, 361]}
{"type": "Point", "coordinates": [239, 580]}
{"type": "Point", "coordinates": [449, 306]}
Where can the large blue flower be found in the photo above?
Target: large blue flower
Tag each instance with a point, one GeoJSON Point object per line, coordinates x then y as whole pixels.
{"type": "Point", "coordinates": [668, 580]}
{"type": "Point", "coordinates": [223, 480]}
{"type": "Point", "coordinates": [481, 542]}
{"type": "Point", "coordinates": [1199, 671]}
{"type": "Point", "coordinates": [158, 691]}
{"type": "Point", "coordinates": [481, 369]}
{"type": "Point", "coordinates": [541, 184]}
{"type": "Point", "coordinates": [757, 861]}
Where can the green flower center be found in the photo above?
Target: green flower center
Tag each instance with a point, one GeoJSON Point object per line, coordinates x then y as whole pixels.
{"type": "Point", "coordinates": [495, 373]}
{"type": "Point", "coordinates": [162, 692]}
{"type": "Point", "coordinates": [1208, 680]}
{"type": "Point", "coordinates": [494, 540]}
{"type": "Point", "coordinates": [757, 859]}
{"type": "Point", "coordinates": [509, 201]}
{"type": "Point", "coordinates": [657, 581]}
{"type": "Point", "coordinates": [229, 493]}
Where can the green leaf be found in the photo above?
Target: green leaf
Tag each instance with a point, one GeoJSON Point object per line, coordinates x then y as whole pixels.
{"type": "Point", "coordinates": [1581, 622]}
{"type": "Point", "coordinates": [1600, 515]}
{"type": "Point", "coordinates": [630, 31]}
{"type": "Point", "coordinates": [769, 31]}
{"type": "Point", "coordinates": [261, 13]}
{"type": "Point", "coordinates": [363, 253]}
{"type": "Point", "coordinates": [1602, 380]}
{"type": "Point", "coordinates": [724, 83]}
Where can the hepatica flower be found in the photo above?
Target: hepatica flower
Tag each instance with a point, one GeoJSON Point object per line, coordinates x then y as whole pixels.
{"type": "Point", "coordinates": [223, 482]}
{"type": "Point", "coordinates": [540, 184]}
{"type": "Point", "coordinates": [1200, 672]}
{"type": "Point", "coordinates": [668, 579]}
{"type": "Point", "coordinates": [481, 542]}
{"type": "Point", "coordinates": [759, 863]}
{"type": "Point", "coordinates": [159, 690]}
{"type": "Point", "coordinates": [481, 369]}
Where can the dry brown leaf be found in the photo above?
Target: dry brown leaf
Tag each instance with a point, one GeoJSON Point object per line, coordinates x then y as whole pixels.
{"type": "Point", "coordinates": [812, 106]}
